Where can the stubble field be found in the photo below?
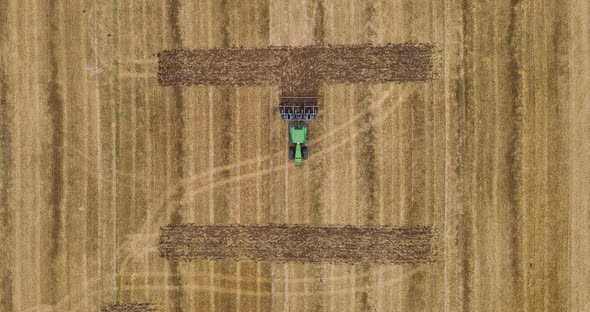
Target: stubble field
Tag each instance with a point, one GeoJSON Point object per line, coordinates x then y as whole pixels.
{"type": "Point", "coordinates": [492, 155]}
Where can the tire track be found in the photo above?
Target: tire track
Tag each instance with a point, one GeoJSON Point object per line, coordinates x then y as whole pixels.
{"type": "Point", "coordinates": [73, 205]}
{"type": "Point", "coordinates": [55, 107]}
{"type": "Point", "coordinates": [368, 170]}
{"type": "Point", "coordinates": [130, 140]}
{"type": "Point", "coordinates": [165, 153]}
{"type": "Point", "coordinates": [174, 23]}
{"type": "Point", "coordinates": [367, 162]}
{"type": "Point", "coordinates": [128, 154]}
{"type": "Point", "coordinates": [224, 120]}
{"type": "Point", "coordinates": [318, 26]}
{"type": "Point", "coordinates": [496, 157]}
{"type": "Point", "coordinates": [7, 290]}
{"type": "Point", "coordinates": [416, 295]}
{"type": "Point", "coordinates": [6, 124]}
{"type": "Point", "coordinates": [544, 160]}
{"type": "Point", "coordinates": [222, 125]}
{"type": "Point", "coordinates": [514, 145]}
{"type": "Point", "coordinates": [88, 201]}
{"type": "Point", "coordinates": [6, 163]}
{"type": "Point", "coordinates": [144, 134]}
{"type": "Point", "coordinates": [105, 154]}
{"type": "Point", "coordinates": [454, 168]}
{"type": "Point", "coordinates": [385, 296]}
{"type": "Point", "coordinates": [464, 96]}
{"type": "Point", "coordinates": [225, 33]}
{"type": "Point", "coordinates": [316, 176]}
{"type": "Point", "coordinates": [179, 151]}
{"type": "Point", "coordinates": [316, 183]}
{"type": "Point", "coordinates": [179, 173]}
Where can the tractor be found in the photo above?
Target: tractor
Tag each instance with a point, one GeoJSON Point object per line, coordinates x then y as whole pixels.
{"type": "Point", "coordinates": [298, 111]}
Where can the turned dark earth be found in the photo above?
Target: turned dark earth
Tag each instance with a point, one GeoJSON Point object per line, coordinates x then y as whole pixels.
{"type": "Point", "coordinates": [298, 243]}
{"type": "Point", "coordinates": [297, 70]}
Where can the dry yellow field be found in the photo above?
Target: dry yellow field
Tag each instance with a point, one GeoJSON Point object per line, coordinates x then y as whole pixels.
{"type": "Point", "coordinates": [95, 156]}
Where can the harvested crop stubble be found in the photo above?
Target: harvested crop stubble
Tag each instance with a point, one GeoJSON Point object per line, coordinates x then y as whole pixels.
{"type": "Point", "coordinates": [298, 70]}
{"type": "Point", "coordinates": [299, 243]}
{"type": "Point", "coordinates": [129, 307]}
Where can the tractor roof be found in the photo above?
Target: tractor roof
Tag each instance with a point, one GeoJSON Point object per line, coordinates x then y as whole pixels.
{"type": "Point", "coordinates": [298, 134]}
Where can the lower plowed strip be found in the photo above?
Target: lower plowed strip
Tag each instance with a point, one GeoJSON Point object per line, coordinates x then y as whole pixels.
{"type": "Point", "coordinates": [129, 307]}
{"type": "Point", "coordinates": [299, 243]}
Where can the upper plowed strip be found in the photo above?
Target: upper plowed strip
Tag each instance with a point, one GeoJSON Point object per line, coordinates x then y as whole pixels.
{"type": "Point", "coordinates": [298, 70]}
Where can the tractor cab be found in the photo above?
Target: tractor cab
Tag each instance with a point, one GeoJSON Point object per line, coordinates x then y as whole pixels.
{"type": "Point", "coordinates": [298, 111]}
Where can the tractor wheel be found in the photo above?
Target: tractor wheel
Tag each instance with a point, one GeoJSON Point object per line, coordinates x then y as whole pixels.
{"type": "Point", "coordinates": [304, 152]}
{"type": "Point", "coordinates": [291, 152]}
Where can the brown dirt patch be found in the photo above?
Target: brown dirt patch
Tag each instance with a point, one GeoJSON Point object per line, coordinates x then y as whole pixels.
{"type": "Point", "coordinates": [299, 243]}
{"type": "Point", "coordinates": [298, 70]}
{"type": "Point", "coordinates": [129, 307]}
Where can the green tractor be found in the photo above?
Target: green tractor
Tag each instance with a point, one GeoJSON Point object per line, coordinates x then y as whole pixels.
{"type": "Point", "coordinates": [298, 111]}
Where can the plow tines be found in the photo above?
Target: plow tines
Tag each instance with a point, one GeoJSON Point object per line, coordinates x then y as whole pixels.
{"type": "Point", "coordinates": [300, 243]}
{"type": "Point", "coordinates": [298, 108]}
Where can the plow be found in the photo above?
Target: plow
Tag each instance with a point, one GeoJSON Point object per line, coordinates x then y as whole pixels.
{"type": "Point", "coordinates": [298, 111]}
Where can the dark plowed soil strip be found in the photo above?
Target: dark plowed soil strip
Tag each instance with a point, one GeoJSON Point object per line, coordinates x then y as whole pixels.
{"type": "Point", "coordinates": [55, 105]}
{"type": "Point", "coordinates": [6, 124]}
{"type": "Point", "coordinates": [298, 70]}
{"type": "Point", "coordinates": [129, 307]}
{"type": "Point", "coordinates": [6, 176]}
{"type": "Point", "coordinates": [300, 243]}
{"type": "Point", "coordinates": [220, 67]}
